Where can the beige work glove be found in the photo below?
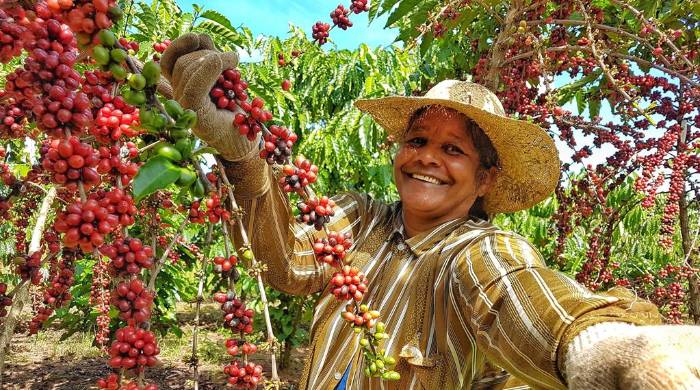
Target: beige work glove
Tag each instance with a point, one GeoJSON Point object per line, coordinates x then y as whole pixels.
{"type": "Point", "coordinates": [641, 357]}
{"type": "Point", "coordinates": [192, 64]}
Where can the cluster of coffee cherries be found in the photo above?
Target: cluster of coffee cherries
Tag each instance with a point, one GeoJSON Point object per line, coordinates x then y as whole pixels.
{"type": "Point", "coordinates": [237, 316]}
{"type": "Point", "coordinates": [229, 93]}
{"type": "Point", "coordinates": [160, 47]}
{"type": "Point", "coordinates": [359, 6]}
{"type": "Point", "coordinates": [117, 202]}
{"type": "Point", "coordinates": [57, 292]}
{"type": "Point", "coordinates": [250, 124]}
{"type": "Point", "coordinates": [316, 212]}
{"type": "Point", "coordinates": [85, 224]}
{"type": "Point", "coordinates": [112, 382]}
{"type": "Point", "coordinates": [115, 120]}
{"type": "Point", "coordinates": [298, 176]}
{"type": "Point", "coordinates": [115, 166]}
{"type": "Point", "coordinates": [28, 267]}
{"type": "Point", "coordinates": [11, 118]}
{"type": "Point", "coordinates": [70, 162]}
{"type": "Point", "coordinates": [235, 347]}
{"type": "Point", "coordinates": [215, 210]}
{"type": "Point", "coordinates": [348, 283]}
{"type": "Point", "coordinates": [128, 256]}
{"type": "Point", "coordinates": [133, 300]}
{"type": "Point", "coordinates": [243, 375]}
{"type": "Point", "coordinates": [340, 17]}
{"type": "Point", "coordinates": [133, 348]}
{"type": "Point", "coordinates": [333, 248]}
{"type": "Point", "coordinates": [224, 265]}
{"type": "Point", "coordinates": [5, 301]}
{"type": "Point", "coordinates": [278, 145]}
{"type": "Point", "coordinates": [85, 17]}
{"type": "Point", "coordinates": [320, 32]}
{"type": "Point", "coordinates": [13, 33]}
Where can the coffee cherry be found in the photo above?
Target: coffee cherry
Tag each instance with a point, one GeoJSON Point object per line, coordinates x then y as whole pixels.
{"type": "Point", "coordinates": [332, 249]}
{"type": "Point", "coordinates": [340, 17]}
{"type": "Point", "coordinates": [298, 176]}
{"type": "Point", "coordinates": [133, 349]}
{"type": "Point", "coordinates": [359, 6]}
{"type": "Point", "coordinates": [128, 256]}
{"type": "Point", "coordinates": [286, 85]}
{"type": "Point", "coordinates": [224, 265]}
{"type": "Point", "coordinates": [5, 301]}
{"type": "Point", "coordinates": [316, 212]}
{"type": "Point", "coordinates": [319, 32]}
{"type": "Point", "coordinates": [28, 267]}
{"type": "Point", "coordinates": [133, 300]}
{"type": "Point", "coordinates": [278, 145]}
{"type": "Point", "coordinates": [349, 283]}
{"type": "Point", "coordinates": [237, 316]}
{"type": "Point", "coordinates": [236, 347]}
{"type": "Point", "coordinates": [242, 375]}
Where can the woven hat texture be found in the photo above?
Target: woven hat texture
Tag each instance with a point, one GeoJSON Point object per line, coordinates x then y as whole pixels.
{"type": "Point", "coordinates": [528, 157]}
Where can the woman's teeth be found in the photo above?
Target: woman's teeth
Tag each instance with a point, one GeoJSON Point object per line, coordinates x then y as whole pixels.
{"type": "Point", "coordinates": [428, 179]}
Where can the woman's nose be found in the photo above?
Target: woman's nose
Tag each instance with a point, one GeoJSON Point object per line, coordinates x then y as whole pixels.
{"type": "Point", "coordinates": [429, 155]}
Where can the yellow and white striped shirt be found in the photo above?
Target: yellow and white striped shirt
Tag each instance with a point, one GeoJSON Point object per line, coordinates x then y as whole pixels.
{"type": "Point", "coordinates": [468, 304]}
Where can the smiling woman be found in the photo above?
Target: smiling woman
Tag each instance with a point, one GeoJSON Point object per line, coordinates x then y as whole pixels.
{"type": "Point", "coordinates": [444, 167]}
{"type": "Point", "coordinates": [466, 304]}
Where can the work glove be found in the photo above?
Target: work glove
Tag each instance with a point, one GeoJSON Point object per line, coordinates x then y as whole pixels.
{"type": "Point", "coordinates": [192, 65]}
{"type": "Point", "coordinates": [638, 357]}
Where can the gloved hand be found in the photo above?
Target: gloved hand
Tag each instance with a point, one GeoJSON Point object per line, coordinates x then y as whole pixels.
{"type": "Point", "coordinates": [192, 64]}
{"type": "Point", "coordinates": [639, 357]}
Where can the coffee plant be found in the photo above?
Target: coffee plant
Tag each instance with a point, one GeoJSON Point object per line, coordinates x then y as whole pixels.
{"type": "Point", "coordinates": [115, 211]}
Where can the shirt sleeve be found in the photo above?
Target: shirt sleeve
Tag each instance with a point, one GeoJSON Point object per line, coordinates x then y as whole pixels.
{"type": "Point", "coordinates": [523, 315]}
{"type": "Point", "coordinates": [282, 244]}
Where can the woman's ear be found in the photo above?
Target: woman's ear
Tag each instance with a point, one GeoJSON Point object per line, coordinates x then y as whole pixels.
{"type": "Point", "coordinates": [486, 179]}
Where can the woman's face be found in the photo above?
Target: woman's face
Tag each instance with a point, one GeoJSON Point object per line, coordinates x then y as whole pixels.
{"type": "Point", "coordinates": [436, 169]}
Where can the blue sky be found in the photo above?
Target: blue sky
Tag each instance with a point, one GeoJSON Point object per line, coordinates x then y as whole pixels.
{"type": "Point", "coordinates": [272, 17]}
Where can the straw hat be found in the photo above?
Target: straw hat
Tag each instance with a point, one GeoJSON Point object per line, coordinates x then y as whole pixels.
{"type": "Point", "coordinates": [529, 160]}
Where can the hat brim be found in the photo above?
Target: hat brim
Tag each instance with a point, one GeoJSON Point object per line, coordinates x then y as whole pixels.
{"type": "Point", "coordinates": [529, 159]}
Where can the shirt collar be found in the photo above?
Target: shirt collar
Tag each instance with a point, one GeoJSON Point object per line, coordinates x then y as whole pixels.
{"type": "Point", "coordinates": [424, 241]}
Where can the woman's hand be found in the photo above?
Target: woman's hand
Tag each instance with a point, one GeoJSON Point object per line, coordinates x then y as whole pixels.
{"type": "Point", "coordinates": [643, 357]}
{"type": "Point", "coordinates": [192, 64]}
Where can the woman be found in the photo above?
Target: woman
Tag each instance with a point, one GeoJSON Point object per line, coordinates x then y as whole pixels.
{"type": "Point", "coordinates": [461, 299]}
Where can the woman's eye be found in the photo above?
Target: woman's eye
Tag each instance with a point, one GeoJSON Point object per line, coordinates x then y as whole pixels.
{"type": "Point", "coordinates": [452, 149]}
{"type": "Point", "coordinates": [416, 141]}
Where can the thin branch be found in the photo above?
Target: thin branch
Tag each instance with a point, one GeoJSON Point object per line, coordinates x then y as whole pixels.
{"type": "Point", "coordinates": [652, 25]}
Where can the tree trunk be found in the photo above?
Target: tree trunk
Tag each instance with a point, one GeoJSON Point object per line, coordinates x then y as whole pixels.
{"type": "Point", "coordinates": [22, 292]}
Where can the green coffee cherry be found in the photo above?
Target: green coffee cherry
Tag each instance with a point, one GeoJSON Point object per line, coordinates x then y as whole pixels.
{"type": "Point", "coordinates": [247, 254]}
{"type": "Point", "coordinates": [168, 151]}
{"type": "Point", "coordinates": [137, 81]}
{"type": "Point", "coordinates": [173, 108]}
{"type": "Point", "coordinates": [187, 177]}
{"type": "Point", "coordinates": [118, 72]}
{"type": "Point", "coordinates": [101, 55]}
{"type": "Point", "coordinates": [118, 55]}
{"type": "Point", "coordinates": [184, 146]}
{"type": "Point", "coordinates": [151, 71]}
{"type": "Point", "coordinates": [107, 38]}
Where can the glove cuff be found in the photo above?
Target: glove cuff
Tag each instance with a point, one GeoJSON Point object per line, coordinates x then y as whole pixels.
{"type": "Point", "coordinates": [593, 335]}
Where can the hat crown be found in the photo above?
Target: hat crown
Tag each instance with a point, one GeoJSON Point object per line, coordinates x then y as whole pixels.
{"type": "Point", "coordinates": [467, 93]}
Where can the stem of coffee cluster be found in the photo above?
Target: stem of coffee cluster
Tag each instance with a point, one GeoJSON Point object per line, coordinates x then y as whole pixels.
{"type": "Point", "coordinates": [272, 341]}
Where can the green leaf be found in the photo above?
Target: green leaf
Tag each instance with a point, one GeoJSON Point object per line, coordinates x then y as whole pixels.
{"type": "Point", "coordinates": [218, 18]}
{"type": "Point", "coordinates": [580, 101]}
{"type": "Point", "coordinates": [593, 107]}
{"type": "Point", "coordinates": [402, 10]}
{"type": "Point", "coordinates": [158, 172]}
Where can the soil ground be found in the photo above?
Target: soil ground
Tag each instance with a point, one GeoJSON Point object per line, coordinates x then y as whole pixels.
{"type": "Point", "coordinates": [44, 362]}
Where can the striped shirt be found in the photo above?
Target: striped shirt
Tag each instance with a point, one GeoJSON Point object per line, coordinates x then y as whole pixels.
{"type": "Point", "coordinates": [467, 306]}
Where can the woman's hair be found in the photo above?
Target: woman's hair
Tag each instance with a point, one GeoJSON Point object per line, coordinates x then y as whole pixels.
{"type": "Point", "coordinates": [488, 157]}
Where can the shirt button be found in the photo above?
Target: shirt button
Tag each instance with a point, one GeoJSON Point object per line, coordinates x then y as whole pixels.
{"type": "Point", "coordinates": [337, 376]}
{"type": "Point", "coordinates": [401, 246]}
